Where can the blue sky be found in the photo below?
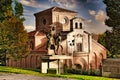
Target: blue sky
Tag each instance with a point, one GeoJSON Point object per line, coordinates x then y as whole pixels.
{"type": "Point", "coordinates": [93, 11]}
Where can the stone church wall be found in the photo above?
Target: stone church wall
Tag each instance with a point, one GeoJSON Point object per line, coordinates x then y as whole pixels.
{"type": "Point", "coordinates": [98, 54]}
{"type": "Point", "coordinates": [59, 16]}
{"type": "Point", "coordinates": [33, 60]}
{"type": "Point", "coordinates": [40, 17]}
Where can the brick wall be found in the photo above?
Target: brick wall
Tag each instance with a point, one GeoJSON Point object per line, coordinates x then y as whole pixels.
{"type": "Point", "coordinates": [98, 54]}
{"type": "Point", "coordinates": [33, 60]}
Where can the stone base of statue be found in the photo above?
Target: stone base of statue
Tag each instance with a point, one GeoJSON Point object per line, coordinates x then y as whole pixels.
{"type": "Point", "coordinates": [51, 52]}
{"type": "Point", "coordinates": [55, 62]}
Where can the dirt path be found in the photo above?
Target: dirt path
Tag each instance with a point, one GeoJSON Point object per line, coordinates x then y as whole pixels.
{"type": "Point", "coordinates": [11, 76]}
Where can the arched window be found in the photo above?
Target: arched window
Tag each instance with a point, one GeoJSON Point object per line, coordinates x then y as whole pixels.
{"type": "Point", "coordinates": [78, 66]}
{"type": "Point", "coordinates": [44, 21]}
{"type": "Point", "coordinates": [80, 25]}
{"type": "Point", "coordinates": [79, 47]}
{"type": "Point", "coordinates": [37, 60]}
{"type": "Point", "coordinates": [76, 25]}
{"type": "Point", "coordinates": [31, 61]}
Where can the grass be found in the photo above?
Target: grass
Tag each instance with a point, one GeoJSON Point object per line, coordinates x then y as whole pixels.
{"type": "Point", "coordinates": [35, 72]}
{"type": "Point", "coordinates": [17, 70]}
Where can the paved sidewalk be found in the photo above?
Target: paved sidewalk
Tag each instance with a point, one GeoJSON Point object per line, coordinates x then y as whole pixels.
{"type": "Point", "coordinates": [11, 76]}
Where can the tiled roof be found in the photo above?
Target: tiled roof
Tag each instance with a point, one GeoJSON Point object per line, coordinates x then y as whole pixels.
{"type": "Point", "coordinates": [32, 33]}
{"type": "Point", "coordinates": [57, 9]}
{"type": "Point", "coordinates": [78, 18]}
{"type": "Point", "coordinates": [40, 34]}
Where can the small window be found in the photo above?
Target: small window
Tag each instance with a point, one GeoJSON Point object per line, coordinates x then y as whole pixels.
{"type": "Point", "coordinates": [79, 47]}
{"type": "Point", "coordinates": [76, 25]}
{"type": "Point", "coordinates": [44, 21]}
{"type": "Point", "coordinates": [80, 25]}
{"type": "Point", "coordinates": [57, 18]}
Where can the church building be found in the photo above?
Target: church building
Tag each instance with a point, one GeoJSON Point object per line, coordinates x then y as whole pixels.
{"type": "Point", "coordinates": [76, 41]}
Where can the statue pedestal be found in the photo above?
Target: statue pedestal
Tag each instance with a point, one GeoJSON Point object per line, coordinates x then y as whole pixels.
{"type": "Point", "coordinates": [53, 61]}
{"type": "Point", "coordinates": [51, 52]}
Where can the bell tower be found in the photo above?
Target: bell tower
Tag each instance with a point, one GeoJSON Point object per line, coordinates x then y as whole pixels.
{"type": "Point", "coordinates": [54, 16]}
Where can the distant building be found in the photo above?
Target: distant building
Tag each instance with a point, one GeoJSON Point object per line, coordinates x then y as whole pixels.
{"type": "Point", "coordinates": [76, 41]}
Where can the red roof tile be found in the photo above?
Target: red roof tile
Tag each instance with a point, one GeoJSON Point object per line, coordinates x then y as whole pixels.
{"type": "Point", "coordinates": [32, 33]}
{"type": "Point", "coordinates": [41, 34]}
{"type": "Point", "coordinates": [57, 9]}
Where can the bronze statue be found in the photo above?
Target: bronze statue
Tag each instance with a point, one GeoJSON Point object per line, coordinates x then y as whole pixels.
{"type": "Point", "coordinates": [59, 43]}
{"type": "Point", "coordinates": [54, 39]}
{"type": "Point", "coordinates": [51, 39]}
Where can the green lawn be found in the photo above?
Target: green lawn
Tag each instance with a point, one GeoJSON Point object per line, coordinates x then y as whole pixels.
{"type": "Point", "coordinates": [35, 72]}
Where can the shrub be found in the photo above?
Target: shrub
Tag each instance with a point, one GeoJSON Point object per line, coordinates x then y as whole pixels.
{"type": "Point", "coordinates": [52, 71]}
{"type": "Point", "coordinates": [94, 72]}
{"type": "Point", "coordinates": [65, 68]}
{"type": "Point", "coordinates": [84, 72]}
{"type": "Point", "coordinates": [74, 71]}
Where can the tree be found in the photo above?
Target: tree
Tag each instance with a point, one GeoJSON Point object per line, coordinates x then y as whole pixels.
{"type": "Point", "coordinates": [102, 40]}
{"type": "Point", "coordinates": [112, 38]}
{"type": "Point", "coordinates": [13, 36]}
{"type": "Point", "coordinates": [18, 10]}
{"type": "Point", "coordinates": [17, 38]}
{"type": "Point", "coordinates": [5, 6]}
{"type": "Point", "coordinates": [3, 43]}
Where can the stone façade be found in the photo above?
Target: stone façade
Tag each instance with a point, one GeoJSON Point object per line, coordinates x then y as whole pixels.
{"type": "Point", "coordinates": [86, 52]}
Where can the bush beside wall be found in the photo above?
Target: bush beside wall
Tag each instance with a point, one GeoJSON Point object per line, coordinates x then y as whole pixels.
{"type": "Point", "coordinates": [52, 71]}
{"type": "Point", "coordinates": [84, 72]}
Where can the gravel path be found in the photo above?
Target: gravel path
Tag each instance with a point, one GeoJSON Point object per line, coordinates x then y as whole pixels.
{"type": "Point", "coordinates": [11, 76]}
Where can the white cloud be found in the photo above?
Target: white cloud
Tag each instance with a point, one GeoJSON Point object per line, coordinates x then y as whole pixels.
{"type": "Point", "coordinates": [65, 3]}
{"type": "Point", "coordinates": [92, 12]}
{"type": "Point", "coordinates": [100, 16]}
{"type": "Point", "coordinates": [89, 20]}
{"type": "Point", "coordinates": [97, 26]}
{"type": "Point", "coordinates": [28, 13]}
{"type": "Point", "coordinates": [29, 28]}
{"type": "Point", "coordinates": [33, 3]}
